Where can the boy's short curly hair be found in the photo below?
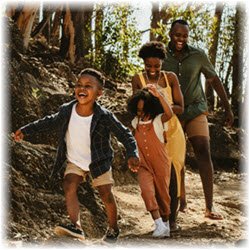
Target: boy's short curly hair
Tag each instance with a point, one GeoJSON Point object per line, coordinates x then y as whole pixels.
{"type": "Point", "coordinates": [153, 49]}
{"type": "Point", "coordinates": [95, 73]}
{"type": "Point", "coordinates": [152, 105]}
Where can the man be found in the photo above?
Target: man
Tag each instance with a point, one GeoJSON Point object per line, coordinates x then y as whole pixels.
{"type": "Point", "coordinates": [188, 63]}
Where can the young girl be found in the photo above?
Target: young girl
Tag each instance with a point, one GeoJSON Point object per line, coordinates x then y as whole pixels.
{"type": "Point", "coordinates": [151, 110]}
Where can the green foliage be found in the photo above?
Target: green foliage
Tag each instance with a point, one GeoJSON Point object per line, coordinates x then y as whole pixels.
{"type": "Point", "coordinates": [120, 41]}
{"type": "Point", "coordinates": [225, 46]}
{"type": "Point", "coordinates": [36, 93]}
{"type": "Point", "coordinates": [199, 18]}
{"type": "Point", "coordinates": [161, 32]}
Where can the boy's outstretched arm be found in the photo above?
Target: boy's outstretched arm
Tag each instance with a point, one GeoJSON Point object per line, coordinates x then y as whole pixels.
{"type": "Point", "coordinates": [18, 135]}
{"type": "Point", "coordinates": [47, 123]}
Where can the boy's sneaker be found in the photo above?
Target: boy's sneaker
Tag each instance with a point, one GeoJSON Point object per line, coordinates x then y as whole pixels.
{"type": "Point", "coordinates": [69, 230]}
{"type": "Point", "coordinates": [111, 235]}
{"type": "Point", "coordinates": [161, 232]}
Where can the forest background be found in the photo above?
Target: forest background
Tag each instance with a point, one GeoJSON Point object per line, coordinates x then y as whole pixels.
{"type": "Point", "coordinates": [107, 36]}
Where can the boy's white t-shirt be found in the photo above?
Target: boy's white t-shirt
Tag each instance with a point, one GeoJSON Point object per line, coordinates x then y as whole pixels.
{"type": "Point", "coordinates": [78, 140]}
{"type": "Point", "coordinates": [157, 123]}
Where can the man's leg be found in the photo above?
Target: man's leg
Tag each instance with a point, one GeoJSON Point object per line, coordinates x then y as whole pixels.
{"type": "Point", "coordinates": [202, 153]}
{"type": "Point", "coordinates": [198, 133]}
{"type": "Point", "coordinates": [174, 200]}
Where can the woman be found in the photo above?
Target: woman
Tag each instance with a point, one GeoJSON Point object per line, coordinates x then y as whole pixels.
{"type": "Point", "coordinates": [153, 54]}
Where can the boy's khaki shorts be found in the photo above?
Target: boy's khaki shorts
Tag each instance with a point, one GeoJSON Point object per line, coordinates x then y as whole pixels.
{"type": "Point", "coordinates": [103, 179]}
{"type": "Point", "coordinates": [197, 127]}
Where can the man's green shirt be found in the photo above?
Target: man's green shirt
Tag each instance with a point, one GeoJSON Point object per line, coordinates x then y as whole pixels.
{"type": "Point", "coordinates": [188, 69]}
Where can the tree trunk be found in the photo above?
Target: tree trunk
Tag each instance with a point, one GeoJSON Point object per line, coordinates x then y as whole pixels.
{"type": "Point", "coordinates": [238, 48]}
{"type": "Point", "coordinates": [165, 15]}
{"type": "Point", "coordinates": [87, 41]}
{"type": "Point", "coordinates": [99, 49]}
{"type": "Point", "coordinates": [55, 33]}
{"type": "Point", "coordinates": [213, 51]}
{"type": "Point", "coordinates": [78, 24]}
{"type": "Point", "coordinates": [74, 26]}
{"type": "Point", "coordinates": [67, 48]}
{"type": "Point", "coordinates": [44, 24]}
{"type": "Point", "coordinates": [155, 18]}
{"type": "Point", "coordinates": [12, 9]}
{"type": "Point", "coordinates": [24, 17]}
{"type": "Point", "coordinates": [226, 82]}
{"type": "Point", "coordinates": [47, 15]}
{"type": "Point", "coordinates": [125, 52]}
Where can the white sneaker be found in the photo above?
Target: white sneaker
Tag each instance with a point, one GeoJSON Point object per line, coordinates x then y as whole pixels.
{"type": "Point", "coordinates": [161, 232]}
{"type": "Point", "coordinates": [166, 223]}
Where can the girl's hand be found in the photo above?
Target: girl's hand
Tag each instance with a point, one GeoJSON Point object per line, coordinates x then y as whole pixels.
{"type": "Point", "coordinates": [134, 164]}
{"type": "Point", "coordinates": [153, 90]}
{"type": "Point", "coordinates": [18, 135]}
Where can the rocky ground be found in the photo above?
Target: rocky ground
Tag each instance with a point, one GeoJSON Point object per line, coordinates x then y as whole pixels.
{"type": "Point", "coordinates": [34, 204]}
{"type": "Point", "coordinates": [136, 224]}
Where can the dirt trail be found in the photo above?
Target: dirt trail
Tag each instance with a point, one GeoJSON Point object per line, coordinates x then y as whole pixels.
{"type": "Point", "coordinates": [230, 195]}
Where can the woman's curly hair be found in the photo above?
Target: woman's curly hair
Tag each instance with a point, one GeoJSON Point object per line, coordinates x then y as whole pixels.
{"type": "Point", "coordinates": [153, 49]}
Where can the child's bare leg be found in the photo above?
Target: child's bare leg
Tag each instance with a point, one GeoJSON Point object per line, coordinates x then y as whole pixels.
{"type": "Point", "coordinates": [161, 227]}
{"type": "Point", "coordinates": [70, 186]}
{"type": "Point", "coordinates": [155, 214]}
{"type": "Point", "coordinates": [109, 203]}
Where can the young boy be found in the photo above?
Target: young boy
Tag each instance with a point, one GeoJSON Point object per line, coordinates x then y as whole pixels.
{"type": "Point", "coordinates": [84, 141]}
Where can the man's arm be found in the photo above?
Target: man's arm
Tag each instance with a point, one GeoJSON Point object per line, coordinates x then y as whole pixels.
{"type": "Point", "coordinates": [218, 87]}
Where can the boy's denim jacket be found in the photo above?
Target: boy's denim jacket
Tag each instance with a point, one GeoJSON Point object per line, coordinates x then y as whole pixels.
{"type": "Point", "coordinates": [102, 124]}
